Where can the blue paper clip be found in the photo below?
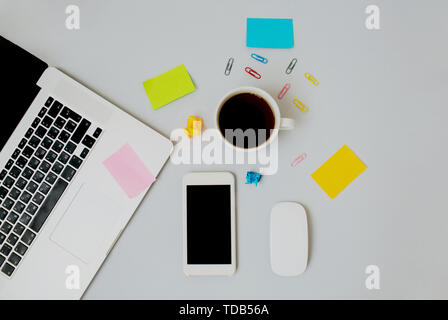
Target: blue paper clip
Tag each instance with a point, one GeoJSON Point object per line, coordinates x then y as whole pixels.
{"type": "Point", "coordinates": [259, 58]}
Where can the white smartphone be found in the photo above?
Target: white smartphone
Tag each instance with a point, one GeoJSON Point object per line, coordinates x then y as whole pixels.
{"type": "Point", "coordinates": [209, 223]}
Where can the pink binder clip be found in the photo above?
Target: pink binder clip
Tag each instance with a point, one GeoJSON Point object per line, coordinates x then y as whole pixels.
{"type": "Point", "coordinates": [285, 89]}
{"type": "Point", "coordinates": [253, 73]}
{"type": "Point", "coordinates": [298, 159]}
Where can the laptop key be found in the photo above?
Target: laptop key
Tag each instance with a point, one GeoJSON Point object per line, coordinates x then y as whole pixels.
{"type": "Point", "coordinates": [57, 146]}
{"type": "Point", "coordinates": [21, 162]}
{"type": "Point", "coordinates": [12, 239]}
{"type": "Point", "coordinates": [53, 133]}
{"type": "Point", "coordinates": [15, 154]}
{"type": "Point", "coordinates": [48, 205]}
{"type": "Point", "coordinates": [70, 147]}
{"type": "Point", "coordinates": [63, 157]}
{"type": "Point", "coordinates": [25, 219]}
{"type": "Point", "coordinates": [8, 203]}
{"type": "Point", "coordinates": [9, 164]}
{"type": "Point", "coordinates": [47, 142]}
{"type": "Point", "coordinates": [59, 123]}
{"type": "Point", "coordinates": [27, 173]}
{"type": "Point", "coordinates": [6, 227]}
{"type": "Point", "coordinates": [81, 131]}
{"type": "Point", "coordinates": [19, 207]}
{"type": "Point", "coordinates": [64, 136]}
{"type": "Point", "coordinates": [12, 217]}
{"type": "Point", "coordinates": [8, 182]}
{"type": "Point", "coordinates": [57, 167]}
{"type": "Point", "coordinates": [34, 162]}
{"type": "Point", "coordinates": [20, 248]}
{"type": "Point", "coordinates": [55, 108]}
{"type": "Point", "coordinates": [2, 239]}
{"type": "Point", "coordinates": [51, 156]}
{"type": "Point", "coordinates": [15, 193]}
{"type": "Point", "coordinates": [38, 177]}
{"type": "Point", "coordinates": [47, 122]}
{"type": "Point", "coordinates": [3, 174]}
{"type": "Point", "coordinates": [68, 173]}
{"type": "Point", "coordinates": [3, 192]}
{"type": "Point", "coordinates": [51, 178]}
{"type": "Point", "coordinates": [21, 183]}
{"type": "Point", "coordinates": [41, 132]}
{"type": "Point", "coordinates": [14, 259]}
{"type": "Point", "coordinates": [34, 142]}
{"type": "Point", "coordinates": [15, 172]}
{"type": "Point", "coordinates": [35, 123]}
{"type": "Point", "coordinates": [45, 166]}
{"type": "Point", "coordinates": [3, 213]}
{"type": "Point", "coordinates": [18, 229]}
{"type": "Point", "coordinates": [28, 152]}
{"type": "Point", "coordinates": [75, 162]}
{"type": "Point", "coordinates": [68, 113]}
{"type": "Point", "coordinates": [70, 126]}
{"type": "Point", "coordinates": [49, 101]}
{"type": "Point", "coordinates": [31, 209]}
{"type": "Point", "coordinates": [6, 249]}
{"type": "Point", "coordinates": [8, 269]}
{"type": "Point", "coordinates": [88, 141]}
{"type": "Point", "coordinates": [44, 188]}
{"type": "Point", "coordinates": [38, 198]}
{"type": "Point", "coordinates": [25, 197]}
{"type": "Point", "coordinates": [28, 237]}
{"type": "Point", "coordinates": [42, 112]}
{"type": "Point", "coordinates": [29, 133]}
{"type": "Point", "coordinates": [40, 153]}
{"type": "Point", "coordinates": [97, 132]}
{"type": "Point", "coordinates": [22, 143]}
{"type": "Point", "coordinates": [32, 187]}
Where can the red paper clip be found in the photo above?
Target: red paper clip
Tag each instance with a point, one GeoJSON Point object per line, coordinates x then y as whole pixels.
{"type": "Point", "coordinates": [298, 159]}
{"type": "Point", "coordinates": [285, 89]}
{"type": "Point", "coordinates": [253, 73]}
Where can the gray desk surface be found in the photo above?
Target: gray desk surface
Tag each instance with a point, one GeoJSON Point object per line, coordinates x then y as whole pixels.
{"type": "Point", "coordinates": [381, 92]}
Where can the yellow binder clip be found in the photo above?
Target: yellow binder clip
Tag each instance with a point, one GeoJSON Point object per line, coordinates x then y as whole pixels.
{"type": "Point", "coordinates": [194, 127]}
{"type": "Point", "coordinates": [311, 79]}
{"type": "Point", "coordinates": [300, 105]}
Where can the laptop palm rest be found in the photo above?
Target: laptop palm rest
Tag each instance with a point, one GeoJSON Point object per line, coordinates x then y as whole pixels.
{"type": "Point", "coordinates": [87, 227]}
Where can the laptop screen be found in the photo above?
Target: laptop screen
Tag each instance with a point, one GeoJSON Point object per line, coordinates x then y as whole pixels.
{"type": "Point", "coordinates": [19, 72]}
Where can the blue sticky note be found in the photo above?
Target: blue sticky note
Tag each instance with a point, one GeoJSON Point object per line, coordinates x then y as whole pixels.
{"type": "Point", "coordinates": [269, 33]}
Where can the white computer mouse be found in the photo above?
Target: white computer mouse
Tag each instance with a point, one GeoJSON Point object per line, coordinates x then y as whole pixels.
{"type": "Point", "coordinates": [289, 239]}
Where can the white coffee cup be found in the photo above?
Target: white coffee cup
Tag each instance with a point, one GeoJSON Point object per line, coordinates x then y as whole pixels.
{"type": "Point", "coordinates": [279, 123]}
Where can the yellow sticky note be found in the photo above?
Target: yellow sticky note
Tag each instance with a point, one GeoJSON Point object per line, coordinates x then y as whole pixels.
{"type": "Point", "coordinates": [168, 86]}
{"type": "Point", "coordinates": [338, 172]}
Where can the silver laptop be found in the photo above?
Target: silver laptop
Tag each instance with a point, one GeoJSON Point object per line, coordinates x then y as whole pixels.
{"type": "Point", "coordinates": [61, 208]}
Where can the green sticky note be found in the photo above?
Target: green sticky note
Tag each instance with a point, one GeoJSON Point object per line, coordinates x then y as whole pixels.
{"type": "Point", "coordinates": [168, 86]}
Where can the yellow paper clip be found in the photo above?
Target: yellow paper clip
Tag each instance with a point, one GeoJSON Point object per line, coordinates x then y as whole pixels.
{"type": "Point", "coordinates": [194, 127]}
{"type": "Point", "coordinates": [311, 79]}
{"type": "Point", "coordinates": [300, 105]}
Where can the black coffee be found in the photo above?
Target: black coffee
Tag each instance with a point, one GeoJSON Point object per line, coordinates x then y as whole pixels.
{"type": "Point", "coordinates": [249, 113]}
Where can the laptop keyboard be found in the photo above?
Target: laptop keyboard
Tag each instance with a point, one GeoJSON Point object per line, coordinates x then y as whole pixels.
{"type": "Point", "coordinates": [37, 174]}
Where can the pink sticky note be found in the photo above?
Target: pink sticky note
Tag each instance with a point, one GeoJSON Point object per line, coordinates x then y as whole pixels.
{"type": "Point", "coordinates": [129, 171]}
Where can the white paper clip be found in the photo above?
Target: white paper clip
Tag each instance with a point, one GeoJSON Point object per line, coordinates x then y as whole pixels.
{"type": "Point", "coordinates": [229, 66]}
{"type": "Point", "coordinates": [291, 66]}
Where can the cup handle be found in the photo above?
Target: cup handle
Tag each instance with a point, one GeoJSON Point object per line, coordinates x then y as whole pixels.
{"type": "Point", "coordinates": [287, 124]}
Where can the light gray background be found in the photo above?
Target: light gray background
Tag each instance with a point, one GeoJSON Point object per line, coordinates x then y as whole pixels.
{"type": "Point", "coordinates": [381, 92]}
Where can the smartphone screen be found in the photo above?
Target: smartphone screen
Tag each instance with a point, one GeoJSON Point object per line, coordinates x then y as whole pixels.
{"type": "Point", "coordinates": [209, 224]}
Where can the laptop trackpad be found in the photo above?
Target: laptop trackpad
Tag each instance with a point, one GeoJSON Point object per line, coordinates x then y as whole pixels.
{"type": "Point", "coordinates": [87, 227]}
